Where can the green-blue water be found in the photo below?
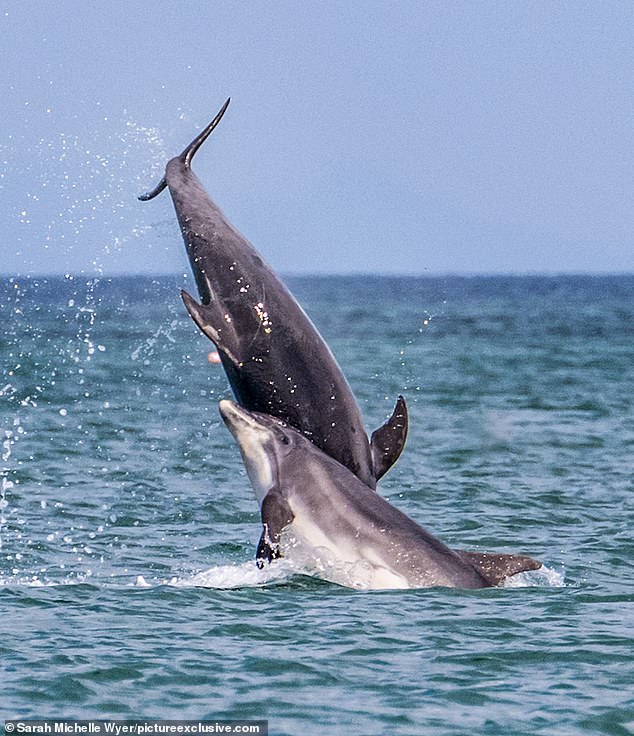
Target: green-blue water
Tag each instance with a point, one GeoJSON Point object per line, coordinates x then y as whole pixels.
{"type": "Point", "coordinates": [128, 527]}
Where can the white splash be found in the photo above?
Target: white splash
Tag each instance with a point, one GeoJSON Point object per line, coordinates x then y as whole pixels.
{"type": "Point", "coordinates": [248, 575]}
{"type": "Point", "coordinates": [243, 575]}
{"type": "Point", "coordinates": [545, 577]}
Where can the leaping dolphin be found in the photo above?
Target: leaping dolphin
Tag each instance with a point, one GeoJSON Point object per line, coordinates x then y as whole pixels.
{"type": "Point", "coordinates": [311, 502]}
{"type": "Point", "coordinates": [275, 359]}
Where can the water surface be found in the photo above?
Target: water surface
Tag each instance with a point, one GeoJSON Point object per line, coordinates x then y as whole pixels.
{"type": "Point", "coordinates": [128, 527]}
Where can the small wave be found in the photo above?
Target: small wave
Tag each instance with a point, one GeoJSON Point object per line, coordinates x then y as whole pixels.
{"type": "Point", "coordinates": [545, 577]}
{"type": "Point", "coordinates": [15, 582]}
{"type": "Point", "coordinates": [34, 581]}
{"type": "Point", "coordinates": [243, 575]}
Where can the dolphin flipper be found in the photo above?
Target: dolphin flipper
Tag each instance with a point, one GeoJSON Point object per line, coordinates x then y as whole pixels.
{"type": "Point", "coordinates": [276, 514]}
{"type": "Point", "coordinates": [497, 567]}
{"type": "Point", "coordinates": [388, 441]}
{"type": "Point", "coordinates": [208, 319]}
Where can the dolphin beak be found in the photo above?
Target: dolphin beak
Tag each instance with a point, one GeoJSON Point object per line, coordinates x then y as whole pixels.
{"type": "Point", "coordinates": [253, 438]}
{"type": "Point", "coordinates": [236, 418]}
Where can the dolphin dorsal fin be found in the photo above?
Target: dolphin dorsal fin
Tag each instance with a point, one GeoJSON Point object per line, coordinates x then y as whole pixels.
{"type": "Point", "coordinates": [497, 567]}
{"type": "Point", "coordinates": [276, 514]}
{"type": "Point", "coordinates": [387, 442]}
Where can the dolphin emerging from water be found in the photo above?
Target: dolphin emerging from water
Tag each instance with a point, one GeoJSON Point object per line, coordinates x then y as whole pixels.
{"type": "Point", "coordinates": [311, 503]}
{"type": "Point", "coordinates": [276, 361]}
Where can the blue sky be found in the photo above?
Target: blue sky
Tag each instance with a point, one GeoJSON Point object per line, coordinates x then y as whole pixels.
{"type": "Point", "coordinates": [386, 137]}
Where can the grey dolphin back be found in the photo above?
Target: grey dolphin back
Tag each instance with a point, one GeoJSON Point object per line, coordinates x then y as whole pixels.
{"type": "Point", "coordinates": [275, 359]}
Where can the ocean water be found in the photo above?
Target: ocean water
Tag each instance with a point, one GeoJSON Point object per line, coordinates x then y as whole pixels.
{"type": "Point", "coordinates": [128, 527]}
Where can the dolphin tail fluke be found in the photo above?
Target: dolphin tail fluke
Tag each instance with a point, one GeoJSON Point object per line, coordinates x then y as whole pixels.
{"type": "Point", "coordinates": [387, 442]}
{"type": "Point", "coordinates": [497, 567]}
{"type": "Point", "coordinates": [188, 154]}
{"type": "Point", "coordinates": [276, 514]}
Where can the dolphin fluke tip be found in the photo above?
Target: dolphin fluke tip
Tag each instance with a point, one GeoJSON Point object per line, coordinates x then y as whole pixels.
{"type": "Point", "coordinates": [188, 154]}
{"type": "Point", "coordinates": [154, 192]}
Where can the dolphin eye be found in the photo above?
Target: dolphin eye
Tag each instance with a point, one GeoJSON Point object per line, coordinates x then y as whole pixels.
{"type": "Point", "coordinates": [284, 439]}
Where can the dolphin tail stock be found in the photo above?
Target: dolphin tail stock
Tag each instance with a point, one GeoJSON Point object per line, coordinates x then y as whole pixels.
{"type": "Point", "coordinates": [387, 442]}
{"type": "Point", "coordinates": [187, 155]}
{"type": "Point", "coordinates": [495, 567]}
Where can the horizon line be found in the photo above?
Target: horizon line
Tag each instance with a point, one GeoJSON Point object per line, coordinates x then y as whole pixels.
{"type": "Point", "coordinates": [316, 274]}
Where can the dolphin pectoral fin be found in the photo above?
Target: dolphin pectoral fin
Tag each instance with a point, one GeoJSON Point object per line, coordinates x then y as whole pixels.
{"type": "Point", "coordinates": [207, 318]}
{"type": "Point", "coordinates": [497, 567]}
{"type": "Point", "coordinates": [267, 551]}
{"type": "Point", "coordinates": [204, 315]}
{"type": "Point", "coordinates": [276, 514]}
{"type": "Point", "coordinates": [387, 442]}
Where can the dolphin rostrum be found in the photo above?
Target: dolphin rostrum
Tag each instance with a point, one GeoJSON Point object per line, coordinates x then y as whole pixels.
{"type": "Point", "coordinates": [275, 359]}
{"type": "Point", "coordinates": [311, 503]}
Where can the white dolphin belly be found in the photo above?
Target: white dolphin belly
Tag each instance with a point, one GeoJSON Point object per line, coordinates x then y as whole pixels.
{"type": "Point", "coordinates": [345, 560]}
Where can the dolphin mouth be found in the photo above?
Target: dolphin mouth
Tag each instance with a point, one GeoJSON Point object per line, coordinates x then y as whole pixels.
{"type": "Point", "coordinates": [237, 418]}
{"type": "Point", "coordinates": [231, 412]}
